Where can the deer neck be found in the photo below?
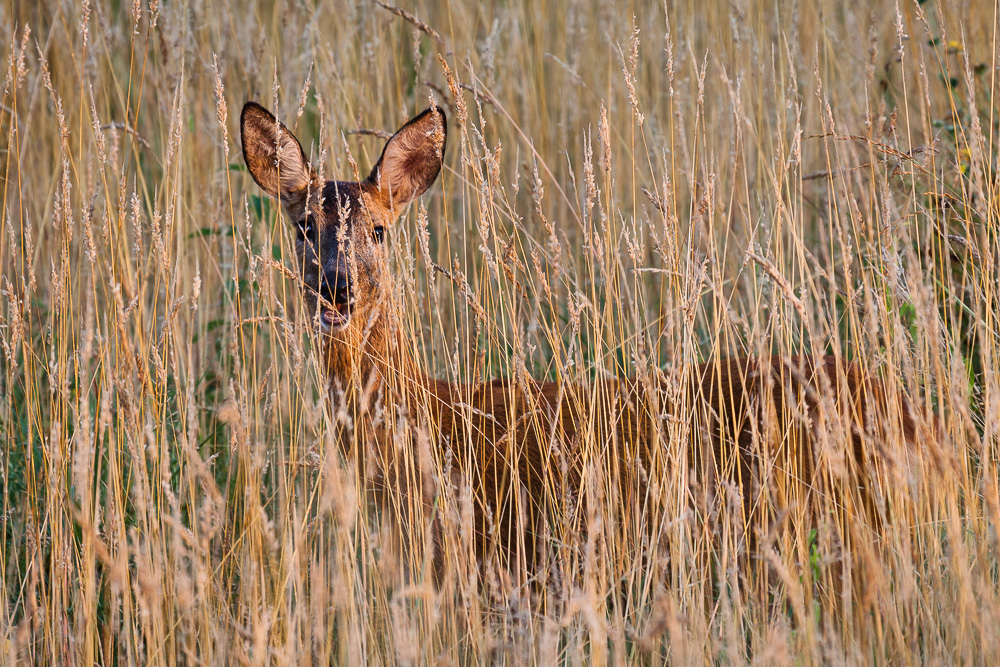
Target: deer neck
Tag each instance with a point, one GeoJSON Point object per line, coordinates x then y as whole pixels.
{"type": "Point", "coordinates": [371, 360]}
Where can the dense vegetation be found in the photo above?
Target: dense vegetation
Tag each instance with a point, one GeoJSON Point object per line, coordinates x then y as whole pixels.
{"type": "Point", "coordinates": [628, 190]}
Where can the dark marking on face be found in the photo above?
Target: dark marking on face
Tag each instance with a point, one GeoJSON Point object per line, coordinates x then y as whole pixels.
{"type": "Point", "coordinates": [340, 252]}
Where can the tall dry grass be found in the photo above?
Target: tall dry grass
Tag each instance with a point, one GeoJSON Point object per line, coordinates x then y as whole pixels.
{"type": "Point", "coordinates": [628, 190]}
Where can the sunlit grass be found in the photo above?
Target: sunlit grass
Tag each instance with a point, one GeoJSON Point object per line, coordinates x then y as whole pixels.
{"type": "Point", "coordinates": [624, 195]}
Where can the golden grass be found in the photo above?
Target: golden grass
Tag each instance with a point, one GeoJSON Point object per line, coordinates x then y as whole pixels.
{"type": "Point", "coordinates": [622, 193]}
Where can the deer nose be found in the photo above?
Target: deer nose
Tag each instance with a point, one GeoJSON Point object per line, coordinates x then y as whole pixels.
{"type": "Point", "coordinates": [337, 288]}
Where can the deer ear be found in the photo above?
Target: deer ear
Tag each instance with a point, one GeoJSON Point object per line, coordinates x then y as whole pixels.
{"type": "Point", "coordinates": [410, 161]}
{"type": "Point", "coordinates": [274, 157]}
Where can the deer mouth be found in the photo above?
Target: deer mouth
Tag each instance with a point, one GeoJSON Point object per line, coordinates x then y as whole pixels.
{"type": "Point", "coordinates": [335, 318]}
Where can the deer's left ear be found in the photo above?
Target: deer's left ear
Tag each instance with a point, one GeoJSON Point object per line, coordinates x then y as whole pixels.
{"type": "Point", "coordinates": [276, 159]}
{"type": "Point", "coordinates": [410, 162]}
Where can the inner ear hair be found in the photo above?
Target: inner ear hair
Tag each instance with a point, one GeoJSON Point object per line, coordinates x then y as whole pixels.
{"type": "Point", "coordinates": [275, 158]}
{"type": "Point", "coordinates": [410, 161]}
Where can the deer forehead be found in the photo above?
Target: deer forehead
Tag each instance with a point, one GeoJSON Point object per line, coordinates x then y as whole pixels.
{"type": "Point", "coordinates": [352, 203]}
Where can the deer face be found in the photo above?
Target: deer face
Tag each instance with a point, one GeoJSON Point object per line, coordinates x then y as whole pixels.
{"type": "Point", "coordinates": [341, 226]}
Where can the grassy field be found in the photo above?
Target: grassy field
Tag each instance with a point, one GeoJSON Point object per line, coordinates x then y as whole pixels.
{"type": "Point", "coordinates": [628, 190]}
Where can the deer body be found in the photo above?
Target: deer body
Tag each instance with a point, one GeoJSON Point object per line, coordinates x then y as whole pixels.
{"type": "Point", "coordinates": [516, 440]}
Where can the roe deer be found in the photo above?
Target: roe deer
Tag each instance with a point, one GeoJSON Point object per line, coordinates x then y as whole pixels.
{"type": "Point", "coordinates": [515, 439]}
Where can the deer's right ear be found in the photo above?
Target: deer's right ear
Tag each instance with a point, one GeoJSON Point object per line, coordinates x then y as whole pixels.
{"type": "Point", "coordinates": [275, 158]}
{"type": "Point", "coordinates": [410, 161]}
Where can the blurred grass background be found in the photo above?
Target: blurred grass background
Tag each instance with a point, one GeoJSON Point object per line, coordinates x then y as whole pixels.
{"type": "Point", "coordinates": [629, 189]}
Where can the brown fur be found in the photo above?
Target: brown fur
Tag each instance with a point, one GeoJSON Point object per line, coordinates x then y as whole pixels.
{"type": "Point", "coordinates": [518, 442]}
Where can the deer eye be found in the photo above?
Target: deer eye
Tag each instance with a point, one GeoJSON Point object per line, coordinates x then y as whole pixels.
{"type": "Point", "coordinates": [378, 233]}
{"type": "Point", "coordinates": [305, 226]}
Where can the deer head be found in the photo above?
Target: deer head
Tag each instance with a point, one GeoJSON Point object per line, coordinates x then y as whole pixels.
{"type": "Point", "coordinates": [341, 226]}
